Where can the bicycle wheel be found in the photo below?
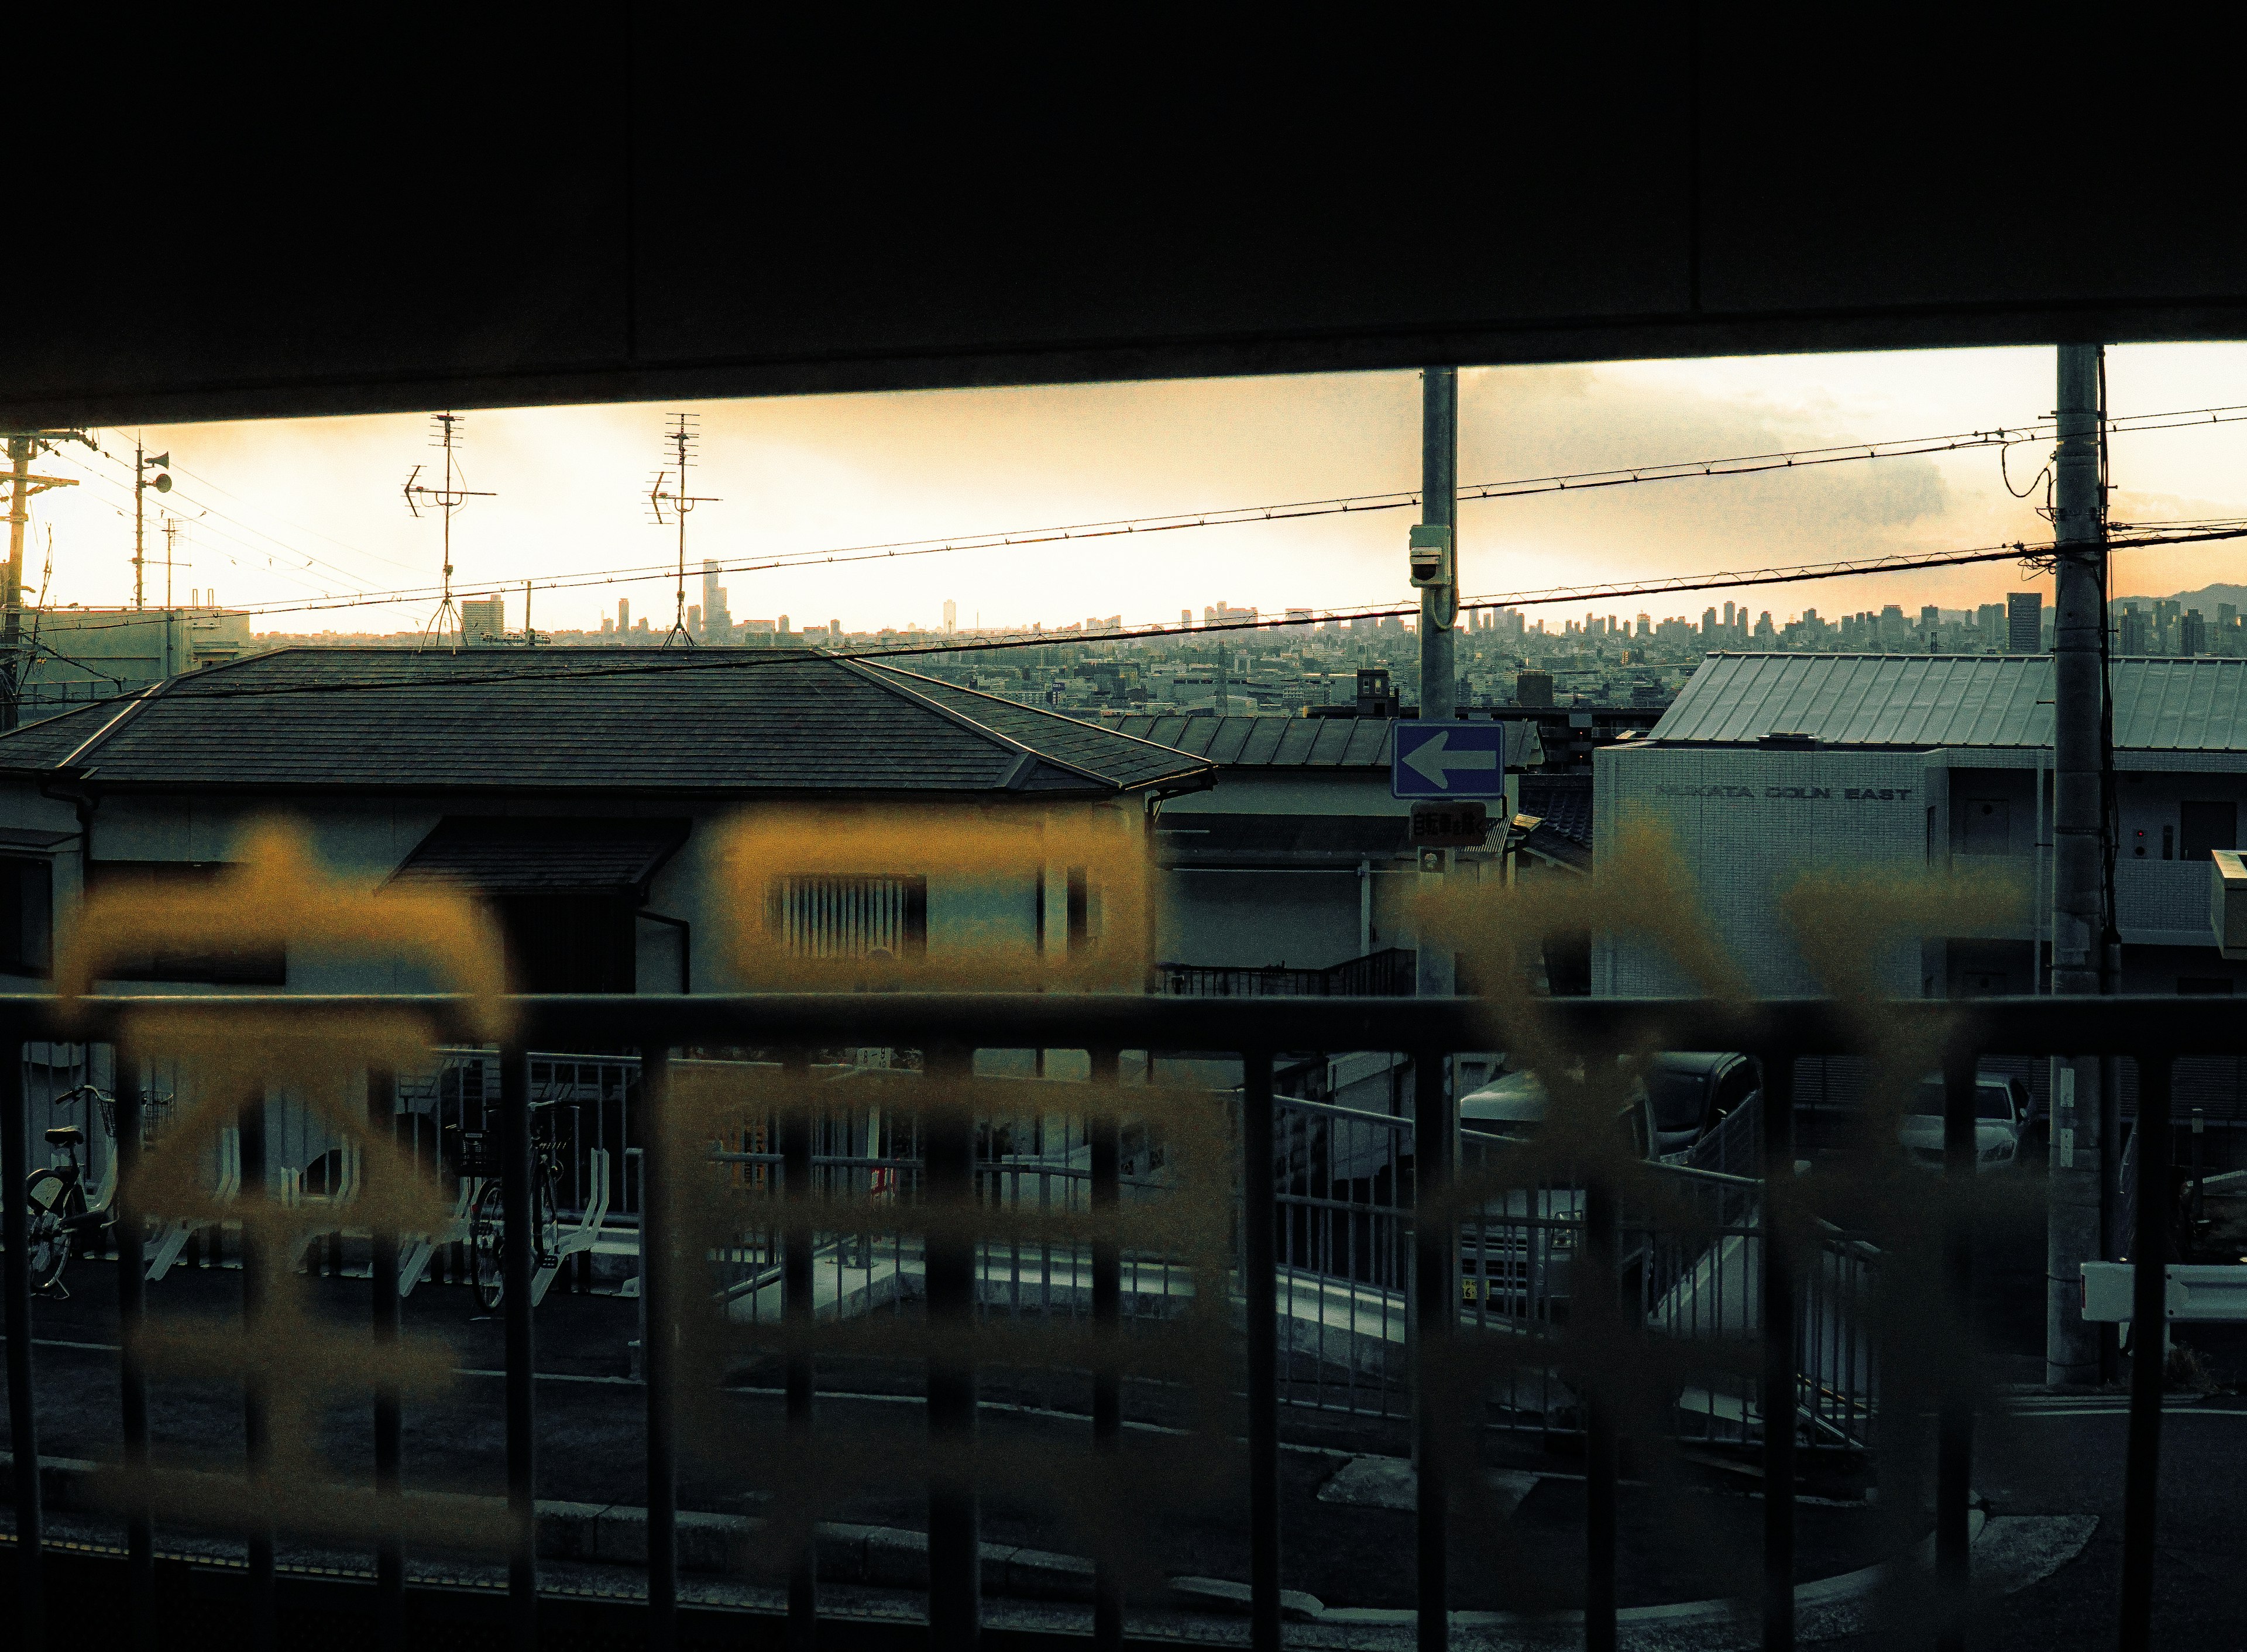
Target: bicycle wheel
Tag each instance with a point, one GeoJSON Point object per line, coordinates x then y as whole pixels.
{"type": "Point", "coordinates": [47, 1201]}
{"type": "Point", "coordinates": [550, 1220]}
{"type": "Point", "coordinates": [487, 1245]}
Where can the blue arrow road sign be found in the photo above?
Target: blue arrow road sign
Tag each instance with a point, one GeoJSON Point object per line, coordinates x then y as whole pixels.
{"type": "Point", "coordinates": [1449, 760]}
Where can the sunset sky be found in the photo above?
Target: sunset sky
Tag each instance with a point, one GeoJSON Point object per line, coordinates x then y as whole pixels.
{"type": "Point", "coordinates": [283, 510]}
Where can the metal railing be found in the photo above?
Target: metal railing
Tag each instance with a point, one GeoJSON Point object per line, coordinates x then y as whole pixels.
{"type": "Point", "coordinates": [1699, 1267]}
{"type": "Point", "coordinates": [1387, 973]}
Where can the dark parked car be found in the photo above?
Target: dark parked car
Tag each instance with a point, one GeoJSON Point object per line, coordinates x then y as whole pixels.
{"type": "Point", "coordinates": [1691, 1092]}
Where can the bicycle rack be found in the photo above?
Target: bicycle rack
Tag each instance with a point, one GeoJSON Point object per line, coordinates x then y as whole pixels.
{"type": "Point", "coordinates": [170, 1239]}
{"type": "Point", "coordinates": [344, 1192]}
{"type": "Point", "coordinates": [587, 1230]}
{"type": "Point", "coordinates": [413, 1254]}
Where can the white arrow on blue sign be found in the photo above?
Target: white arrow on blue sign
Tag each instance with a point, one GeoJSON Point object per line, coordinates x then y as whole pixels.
{"type": "Point", "coordinates": [1449, 760]}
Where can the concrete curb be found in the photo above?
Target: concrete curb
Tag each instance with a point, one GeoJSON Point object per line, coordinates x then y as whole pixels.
{"type": "Point", "coordinates": [616, 1534]}
{"type": "Point", "coordinates": [2025, 1549]}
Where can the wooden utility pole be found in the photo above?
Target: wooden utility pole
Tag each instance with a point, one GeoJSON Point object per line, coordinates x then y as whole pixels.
{"type": "Point", "coordinates": [2080, 922]}
{"type": "Point", "coordinates": [23, 446]}
{"type": "Point", "coordinates": [1439, 607]}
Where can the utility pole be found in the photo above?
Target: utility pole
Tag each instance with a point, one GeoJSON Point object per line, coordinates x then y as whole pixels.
{"type": "Point", "coordinates": [142, 464]}
{"type": "Point", "coordinates": [171, 617]}
{"type": "Point", "coordinates": [23, 446]}
{"type": "Point", "coordinates": [2081, 921]}
{"type": "Point", "coordinates": [1439, 604]}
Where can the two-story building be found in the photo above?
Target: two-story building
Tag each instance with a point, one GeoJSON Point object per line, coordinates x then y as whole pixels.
{"type": "Point", "coordinates": [1298, 856]}
{"type": "Point", "coordinates": [1771, 764]}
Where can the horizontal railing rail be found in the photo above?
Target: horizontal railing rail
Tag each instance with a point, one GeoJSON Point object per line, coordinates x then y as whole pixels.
{"type": "Point", "coordinates": [1341, 1214]}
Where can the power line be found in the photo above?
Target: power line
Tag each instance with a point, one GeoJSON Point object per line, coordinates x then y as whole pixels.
{"type": "Point", "coordinates": [1578, 482]}
{"type": "Point", "coordinates": [205, 510]}
{"type": "Point", "coordinates": [712, 659]}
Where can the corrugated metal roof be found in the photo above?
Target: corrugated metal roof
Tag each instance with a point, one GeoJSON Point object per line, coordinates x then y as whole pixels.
{"type": "Point", "coordinates": [1270, 742]}
{"type": "Point", "coordinates": [1927, 700]}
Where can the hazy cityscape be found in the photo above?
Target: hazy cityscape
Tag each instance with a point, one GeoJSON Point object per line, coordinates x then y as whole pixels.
{"type": "Point", "coordinates": [1508, 657]}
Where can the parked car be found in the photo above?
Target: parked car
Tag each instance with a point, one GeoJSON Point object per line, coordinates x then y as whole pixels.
{"type": "Point", "coordinates": [1518, 1257]}
{"type": "Point", "coordinates": [2002, 1111]}
{"type": "Point", "coordinates": [1693, 1091]}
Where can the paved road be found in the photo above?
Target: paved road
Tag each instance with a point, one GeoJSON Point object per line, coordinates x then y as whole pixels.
{"type": "Point", "coordinates": [1687, 1540]}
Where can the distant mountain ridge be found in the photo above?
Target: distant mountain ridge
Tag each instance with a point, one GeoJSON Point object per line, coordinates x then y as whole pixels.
{"type": "Point", "coordinates": [2205, 598]}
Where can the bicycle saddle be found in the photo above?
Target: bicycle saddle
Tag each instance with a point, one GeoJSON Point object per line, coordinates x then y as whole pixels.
{"type": "Point", "coordinates": [65, 1136]}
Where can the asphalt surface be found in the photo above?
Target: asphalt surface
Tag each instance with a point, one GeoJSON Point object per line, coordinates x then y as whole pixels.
{"type": "Point", "coordinates": [1694, 1537]}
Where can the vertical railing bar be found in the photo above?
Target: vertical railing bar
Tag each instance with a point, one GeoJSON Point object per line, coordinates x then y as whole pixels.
{"type": "Point", "coordinates": [1954, 1446]}
{"type": "Point", "coordinates": [382, 1276]}
{"type": "Point", "coordinates": [1779, 1354]}
{"type": "Point", "coordinates": [22, 1413]}
{"type": "Point", "coordinates": [517, 1270]}
{"type": "Point", "coordinates": [797, 1298]}
{"type": "Point", "coordinates": [1435, 1303]}
{"type": "Point", "coordinates": [2150, 1254]}
{"type": "Point", "coordinates": [133, 1375]}
{"type": "Point", "coordinates": [257, 1263]}
{"type": "Point", "coordinates": [1259, 1264]}
{"type": "Point", "coordinates": [949, 1258]}
{"type": "Point", "coordinates": [1104, 1131]}
{"type": "Point", "coordinates": [1600, 1275]}
{"type": "Point", "coordinates": [659, 1344]}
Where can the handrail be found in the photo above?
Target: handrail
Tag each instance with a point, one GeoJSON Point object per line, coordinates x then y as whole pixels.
{"type": "Point", "coordinates": [2080, 1027]}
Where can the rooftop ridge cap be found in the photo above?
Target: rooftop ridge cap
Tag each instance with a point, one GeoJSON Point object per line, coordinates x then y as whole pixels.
{"type": "Point", "coordinates": [868, 670]}
{"type": "Point", "coordinates": [1080, 723]}
{"type": "Point", "coordinates": [1025, 756]}
{"type": "Point", "coordinates": [125, 715]}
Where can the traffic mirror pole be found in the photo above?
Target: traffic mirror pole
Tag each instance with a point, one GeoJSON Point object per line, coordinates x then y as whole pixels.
{"type": "Point", "coordinates": [1439, 602]}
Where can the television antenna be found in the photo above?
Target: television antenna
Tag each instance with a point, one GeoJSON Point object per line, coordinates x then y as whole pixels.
{"type": "Point", "coordinates": [682, 438]}
{"type": "Point", "coordinates": [445, 500]}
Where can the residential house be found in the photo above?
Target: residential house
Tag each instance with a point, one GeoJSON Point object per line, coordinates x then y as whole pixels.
{"type": "Point", "coordinates": [584, 795]}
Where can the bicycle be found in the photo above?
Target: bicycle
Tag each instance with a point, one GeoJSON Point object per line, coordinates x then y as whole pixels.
{"type": "Point", "coordinates": [58, 1210]}
{"type": "Point", "coordinates": [480, 1157]}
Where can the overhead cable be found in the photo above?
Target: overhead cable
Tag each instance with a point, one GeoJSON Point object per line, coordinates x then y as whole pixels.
{"type": "Point", "coordinates": [1578, 482]}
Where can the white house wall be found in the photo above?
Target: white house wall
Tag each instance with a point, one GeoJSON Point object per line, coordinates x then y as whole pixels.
{"type": "Point", "coordinates": [1751, 821]}
{"type": "Point", "coordinates": [363, 840]}
{"type": "Point", "coordinates": [1224, 915]}
{"type": "Point", "coordinates": [1308, 917]}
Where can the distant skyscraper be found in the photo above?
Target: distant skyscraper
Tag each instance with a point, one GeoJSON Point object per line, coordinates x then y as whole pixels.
{"type": "Point", "coordinates": [2193, 634]}
{"type": "Point", "coordinates": [624, 613]}
{"type": "Point", "coordinates": [2024, 622]}
{"type": "Point", "coordinates": [2132, 638]}
{"type": "Point", "coordinates": [483, 619]}
{"type": "Point", "coordinates": [717, 623]}
{"type": "Point", "coordinates": [951, 615]}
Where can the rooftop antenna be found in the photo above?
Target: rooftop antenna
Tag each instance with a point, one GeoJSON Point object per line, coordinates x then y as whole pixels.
{"type": "Point", "coordinates": [446, 499]}
{"type": "Point", "coordinates": [682, 439]}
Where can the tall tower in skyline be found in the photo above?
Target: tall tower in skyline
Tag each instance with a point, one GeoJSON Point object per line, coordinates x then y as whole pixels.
{"type": "Point", "coordinates": [717, 623]}
{"type": "Point", "coordinates": [951, 615]}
